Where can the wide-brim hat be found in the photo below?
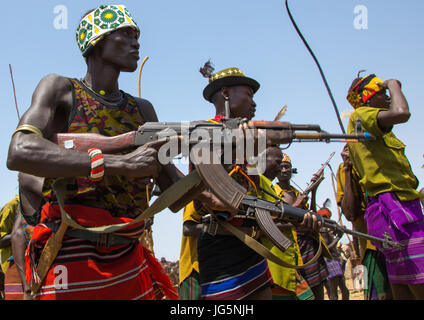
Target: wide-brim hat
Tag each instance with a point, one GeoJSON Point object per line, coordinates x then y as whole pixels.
{"type": "Point", "coordinates": [227, 78]}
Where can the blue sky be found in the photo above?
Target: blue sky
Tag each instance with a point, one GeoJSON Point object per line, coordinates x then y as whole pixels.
{"type": "Point", "coordinates": [257, 37]}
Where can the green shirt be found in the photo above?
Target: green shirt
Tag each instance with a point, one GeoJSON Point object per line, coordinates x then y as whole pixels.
{"type": "Point", "coordinates": [381, 163]}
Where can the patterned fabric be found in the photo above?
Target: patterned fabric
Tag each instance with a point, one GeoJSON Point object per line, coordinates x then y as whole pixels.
{"type": "Point", "coordinates": [190, 289]}
{"type": "Point", "coordinates": [404, 222]}
{"type": "Point", "coordinates": [334, 268]}
{"type": "Point", "coordinates": [364, 90]}
{"type": "Point", "coordinates": [378, 286]}
{"type": "Point", "coordinates": [317, 272]}
{"type": "Point", "coordinates": [85, 270]}
{"type": "Point", "coordinates": [12, 283]}
{"type": "Point", "coordinates": [243, 278]}
{"type": "Point", "coordinates": [286, 158]}
{"type": "Point", "coordinates": [100, 22]}
{"type": "Point", "coordinates": [120, 195]}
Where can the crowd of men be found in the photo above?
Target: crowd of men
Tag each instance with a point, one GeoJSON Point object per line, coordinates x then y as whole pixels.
{"type": "Point", "coordinates": [74, 229]}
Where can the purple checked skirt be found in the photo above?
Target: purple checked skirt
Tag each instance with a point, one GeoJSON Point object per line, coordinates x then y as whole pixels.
{"type": "Point", "coordinates": [404, 222]}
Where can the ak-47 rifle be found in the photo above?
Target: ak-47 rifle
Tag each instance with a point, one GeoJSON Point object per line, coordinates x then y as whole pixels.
{"type": "Point", "coordinates": [276, 132]}
{"type": "Point", "coordinates": [320, 176]}
{"type": "Point", "coordinates": [187, 188]}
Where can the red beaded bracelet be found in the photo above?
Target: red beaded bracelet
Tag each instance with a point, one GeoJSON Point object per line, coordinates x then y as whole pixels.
{"type": "Point", "coordinates": [97, 164]}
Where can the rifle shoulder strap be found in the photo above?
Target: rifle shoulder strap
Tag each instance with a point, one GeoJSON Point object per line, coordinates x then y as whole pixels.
{"type": "Point", "coordinates": [262, 250]}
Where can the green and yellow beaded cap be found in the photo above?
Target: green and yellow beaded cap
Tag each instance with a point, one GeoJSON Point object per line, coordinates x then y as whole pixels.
{"type": "Point", "coordinates": [225, 78]}
{"type": "Point", "coordinates": [100, 22]}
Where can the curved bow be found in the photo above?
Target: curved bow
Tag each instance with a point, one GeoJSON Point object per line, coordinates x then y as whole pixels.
{"type": "Point", "coordinates": [319, 67]}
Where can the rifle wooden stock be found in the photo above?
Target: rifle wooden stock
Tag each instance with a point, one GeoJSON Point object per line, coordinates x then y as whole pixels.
{"type": "Point", "coordinates": [84, 141]}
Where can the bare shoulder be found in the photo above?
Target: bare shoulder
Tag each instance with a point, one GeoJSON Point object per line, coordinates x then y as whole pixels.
{"type": "Point", "coordinates": [51, 102]}
{"type": "Point", "coordinates": [55, 84]}
{"type": "Point", "coordinates": [147, 110]}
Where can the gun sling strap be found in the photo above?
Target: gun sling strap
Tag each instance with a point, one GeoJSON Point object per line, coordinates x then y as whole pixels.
{"type": "Point", "coordinates": [53, 245]}
{"type": "Point", "coordinates": [264, 251]}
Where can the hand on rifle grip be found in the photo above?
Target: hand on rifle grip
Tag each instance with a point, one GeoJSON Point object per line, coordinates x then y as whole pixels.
{"type": "Point", "coordinates": [310, 223]}
{"type": "Point", "coordinates": [212, 202]}
{"type": "Point", "coordinates": [143, 162]}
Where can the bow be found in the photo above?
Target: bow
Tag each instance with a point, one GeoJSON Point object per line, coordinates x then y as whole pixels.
{"type": "Point", "coordinates": [319, 67]}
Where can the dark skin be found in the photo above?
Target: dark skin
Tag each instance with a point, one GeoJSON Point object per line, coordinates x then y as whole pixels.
{"type": "Point", "coordinates": [349, 204]}
{"type": "Point", "coordinates": [398, 108]}
{"type": "Point", "coordinates": [30, 191]}
{"type": "Point", "coordinates": [50, 107]}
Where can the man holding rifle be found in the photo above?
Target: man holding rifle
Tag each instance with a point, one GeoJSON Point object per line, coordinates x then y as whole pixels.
{"type": "Point", "coordinates": [316, 274]}
{"type": "Point", "coordinates": [101, 189]}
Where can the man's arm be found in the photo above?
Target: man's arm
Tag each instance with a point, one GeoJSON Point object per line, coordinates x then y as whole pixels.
{"type": "Point", "coordinates": [18, 249]}
{"type": "Point", "coordinates": [399, 109]}
{"type": "Point", "coordinates": [192, 228]}
{"type": "Point", "coordinates": [349, 204]}
{"type": "Point", "coordinates": [51, 103]}
{"type": "Point", "coordinates": [5, 241]}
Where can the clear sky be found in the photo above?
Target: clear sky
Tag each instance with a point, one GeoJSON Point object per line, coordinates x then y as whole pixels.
{"type": "Point", "coordinates": [256, 36]}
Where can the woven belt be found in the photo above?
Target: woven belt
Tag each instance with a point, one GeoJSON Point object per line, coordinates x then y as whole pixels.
{"type": "Point", "coordinates": [101, 239]}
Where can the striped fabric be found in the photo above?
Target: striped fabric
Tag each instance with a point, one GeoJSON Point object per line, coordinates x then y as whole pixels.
{"type": "Point", "coordinates": [12, 283]}
{"type": "Point", "coordinates": [239, 286]}
{"type": "Point", "coordinates": [316, 272]}
{"type": "Point", "coordinates": [404, 222]}
{"type": "Point", "coordinates": [84, 270]}
{"type": "Point", "coordinates": [190, 288]}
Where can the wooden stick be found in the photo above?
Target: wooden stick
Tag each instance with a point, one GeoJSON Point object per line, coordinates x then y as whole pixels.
{"type": "Point", "coordinates": [139, 76]}
{"type": "Point", "coordinates": [14, 91]}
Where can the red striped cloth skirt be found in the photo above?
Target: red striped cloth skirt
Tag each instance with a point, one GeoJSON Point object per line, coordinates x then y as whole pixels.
{"type": "Point", "coordinates": [84, 270]}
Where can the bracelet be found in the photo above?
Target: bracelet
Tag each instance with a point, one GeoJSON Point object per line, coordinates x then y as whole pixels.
{"type": "Point", "coordinates": [97, 164]}
{"type": "Point", "coordinates": [29, 128]}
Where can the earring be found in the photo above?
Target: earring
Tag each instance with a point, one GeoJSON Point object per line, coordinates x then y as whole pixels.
{"type": "Point", "coordinates": [227, 107]}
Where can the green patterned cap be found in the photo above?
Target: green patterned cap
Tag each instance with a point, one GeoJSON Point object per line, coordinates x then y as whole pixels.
{"type": "Point", "coordinates": [101, 21]}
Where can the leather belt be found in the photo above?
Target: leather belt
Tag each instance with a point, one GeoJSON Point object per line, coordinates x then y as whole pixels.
{"type": "Point", "coordinates": [101, 239]}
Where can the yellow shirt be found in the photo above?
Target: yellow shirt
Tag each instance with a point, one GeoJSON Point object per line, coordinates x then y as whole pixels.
{"type": "Point", "coordinates": [381, 163]}
{"type": "Point", "coordinates": [283, 277]}
{"type": "Point", "coordinates": [359, 224]}
{"type": "Point", "coordinates": [7, 219]}
{"type": "Point", "coordinates": [188, 254]}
